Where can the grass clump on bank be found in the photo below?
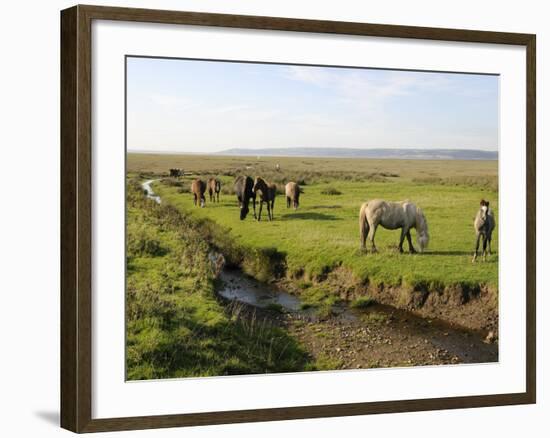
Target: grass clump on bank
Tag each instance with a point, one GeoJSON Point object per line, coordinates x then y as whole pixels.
{"type": "Point", "coordinates": [362, 302]}
{"type": "Point", "coordinates": [176, 327]}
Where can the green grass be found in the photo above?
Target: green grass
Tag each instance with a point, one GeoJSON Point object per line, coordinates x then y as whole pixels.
{"type": "Point", "coordinates": [374, 318]}
{"type": "Point", "coordinates": [326, 363]}
{"type": "Point", "coordinates": [175, 325]}
{"type": "Point", "coordinates": [323, 233]}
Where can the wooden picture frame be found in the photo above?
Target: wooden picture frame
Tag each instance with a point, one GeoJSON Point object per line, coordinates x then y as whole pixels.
{"type": "Point", "coordinates": [76, 217]}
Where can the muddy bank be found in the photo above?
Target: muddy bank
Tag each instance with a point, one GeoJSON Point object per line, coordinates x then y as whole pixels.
{"type": "Point", "coordinates": [471, 307]}
{"type": "Point", "coordinates": [377, 336]}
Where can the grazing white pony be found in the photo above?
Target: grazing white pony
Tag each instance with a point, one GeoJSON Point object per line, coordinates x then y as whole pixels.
{"type": "Point", "coordinates": [393, 215]}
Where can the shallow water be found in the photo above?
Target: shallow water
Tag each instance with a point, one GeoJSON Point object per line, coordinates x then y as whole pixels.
{"type": "Point", "coordinates": [466, 345]}
{"type": "Point", "coordinates": [236, 286]}
{"type": "Point", "coordinates": [149, 190]}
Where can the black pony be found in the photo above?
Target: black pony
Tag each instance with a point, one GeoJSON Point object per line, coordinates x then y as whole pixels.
{"type": "Point", "coordinates": [243, 190]}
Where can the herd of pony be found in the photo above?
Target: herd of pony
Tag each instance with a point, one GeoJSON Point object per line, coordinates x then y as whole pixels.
{"type": "Point", "coordinates": [403, 215]}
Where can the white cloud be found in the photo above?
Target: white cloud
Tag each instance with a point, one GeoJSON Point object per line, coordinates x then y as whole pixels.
{"type": "Point", "coordinates": [368, 88]}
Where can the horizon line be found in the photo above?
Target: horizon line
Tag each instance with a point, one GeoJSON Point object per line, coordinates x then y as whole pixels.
{"type": "Point", "coordinates": [150, 151]}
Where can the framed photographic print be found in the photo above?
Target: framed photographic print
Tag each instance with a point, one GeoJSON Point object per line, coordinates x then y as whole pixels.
{"type": "Point", "coordinates": [270, 218]}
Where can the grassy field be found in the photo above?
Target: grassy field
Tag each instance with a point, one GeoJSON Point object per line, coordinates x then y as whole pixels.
{"type": "Point", "coordinates": [323, 233]}
{"type": "Point", "coordinates": [176, 327]}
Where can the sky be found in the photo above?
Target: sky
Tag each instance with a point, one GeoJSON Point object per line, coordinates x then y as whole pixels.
{"type": "Point", "coordinates": [176, 105]}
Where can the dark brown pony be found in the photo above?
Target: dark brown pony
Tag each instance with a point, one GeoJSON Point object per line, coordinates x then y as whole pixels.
{"type": "Point", "coordinates": [243, 190]}
{"type": "Point", "coordinates": [198, 187]}
{"type": "Point", "coordinates": [267, 194]}
{"type": "Point", "coordinates": [214, 187]}
{"type": "Point", "coordinates": [175, 173]}
{"type": "Point", "coordinates": [292, 193]}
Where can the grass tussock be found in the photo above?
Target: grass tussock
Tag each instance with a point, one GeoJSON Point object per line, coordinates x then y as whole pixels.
{"type": "Point", "coordinates": [331, 191]}
{"type": "Point", "coordinates": [362, 302]}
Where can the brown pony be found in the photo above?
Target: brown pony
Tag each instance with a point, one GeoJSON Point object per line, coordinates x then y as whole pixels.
{"type": "Point", "coordinates": [292, 193]}
{"type": "Point", "coordinates": [198, 187]}
{"type": "Point", "coordinates": [267, 195]}
{"type": "Point", "coordinates": [214, 187]}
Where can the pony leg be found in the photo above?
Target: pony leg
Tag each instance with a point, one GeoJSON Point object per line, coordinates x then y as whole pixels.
{"type": "Point", "coordinates": [272, 207]}
{"type": "Point", "coordinates": [372, 233]}
{"type": "Point", "coordinates": [287, 202]}
{"type": "Point", "coordinates": [254, 206]}
{"type": "Point", "coordinates": [364, 230]}
{"type": "Point", "coordinates": [269, 214]}
{"type": "Point", "coordinates": [409, 240]}
{"type": "Point", "coordinates": [477, 248]}
{"type": "Point", "coordinates": [485, 248]}
{"type": "Point", "coordinates": [194, 199]}
{"type": "Point", "coordinates": [401, 239]}
{"type": "Point", "coordinates": [260, 212]}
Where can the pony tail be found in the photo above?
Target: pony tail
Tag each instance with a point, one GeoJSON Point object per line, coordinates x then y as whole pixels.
{"type": "Point", "coordinates": [363, 224]}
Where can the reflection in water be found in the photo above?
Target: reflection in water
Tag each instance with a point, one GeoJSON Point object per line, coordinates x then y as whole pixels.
{"type": "Point", "coordinates": [240, 288]}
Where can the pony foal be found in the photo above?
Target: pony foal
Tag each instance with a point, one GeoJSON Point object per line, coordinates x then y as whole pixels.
{"type": "Point", "coordinates": [484, 224]}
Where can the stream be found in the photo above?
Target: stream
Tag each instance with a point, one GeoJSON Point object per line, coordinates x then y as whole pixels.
{"type": "Point", "coordinates": [378, 333]}
{"type": "Point", "coordinates": [376, 336]}
{"type": "Point", "coordinates": [149, 190]}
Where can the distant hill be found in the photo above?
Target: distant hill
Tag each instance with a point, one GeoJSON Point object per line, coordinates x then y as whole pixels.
{"type": "Point", "coordinates": [409, 154]}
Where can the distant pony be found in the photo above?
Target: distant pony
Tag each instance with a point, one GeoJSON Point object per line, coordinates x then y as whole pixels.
{"type": "Point", "coordinates": [214, 187]}
{"type": "Point", "coordinates": [267, 195]}
{"type": "Point", "coordinates": [393, 215]}
{"type": "Point", "coordinates": [243, 189]}
{"type": "Point", "coordinates": [175, 173]}
{"type": "Point", "coordinates": [292, 193]}
{"type": "Point", "coordinates": [484, 224]}
{"type": "Point", "coordinates": [198, 187]}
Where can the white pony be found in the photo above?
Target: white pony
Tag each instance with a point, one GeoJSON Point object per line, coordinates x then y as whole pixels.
{"type": "Point", "coordinates": [484, 224]}
{"type": "Point", "coordinates": [393, 215]}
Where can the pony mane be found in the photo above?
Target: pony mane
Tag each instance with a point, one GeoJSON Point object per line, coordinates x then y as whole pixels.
{"type": "Point", "coordinates": [422, 235]}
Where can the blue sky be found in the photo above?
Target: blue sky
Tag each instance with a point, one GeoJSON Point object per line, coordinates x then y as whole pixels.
{"type": "Point", "coordinates": [207, 106]}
